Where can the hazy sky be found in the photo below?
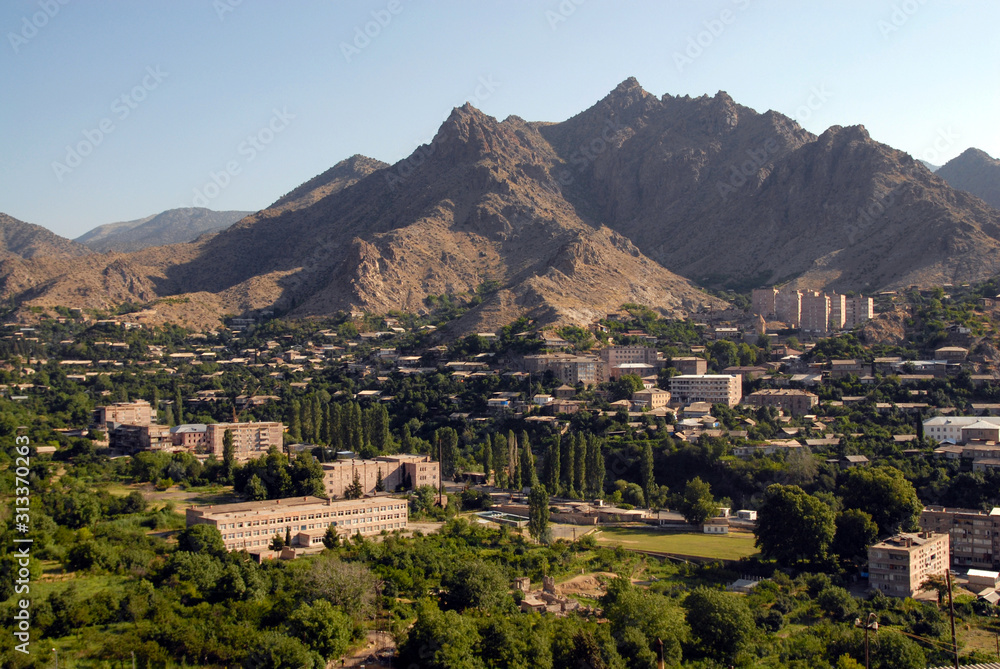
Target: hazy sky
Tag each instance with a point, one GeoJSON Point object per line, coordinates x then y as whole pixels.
{"type": "Point", "coordinates": [118, 110]}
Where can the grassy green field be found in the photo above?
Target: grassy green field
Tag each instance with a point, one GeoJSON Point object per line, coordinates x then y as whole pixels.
{"type": "Point", "coordinates": [724, 547]}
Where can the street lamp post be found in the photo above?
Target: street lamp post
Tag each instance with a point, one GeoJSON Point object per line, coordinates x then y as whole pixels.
{"type": "Point", "coordinates": [870, 624]}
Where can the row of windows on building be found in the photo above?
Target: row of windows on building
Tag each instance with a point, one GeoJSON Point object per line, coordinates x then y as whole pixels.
{"type": "Point", "coordinates": [311, 516]}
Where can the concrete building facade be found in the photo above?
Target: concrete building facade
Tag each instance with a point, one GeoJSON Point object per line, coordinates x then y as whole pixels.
{"type": "Point", "coordinates": [654, 398]}
{"type": "Point", "coordinates": [690, 365]}
{"type": "Point", "coordinates": [711, 388]}
{"type": "Point", "coordinates": [251, 526]}
{"type": "Point", "coordinates": [898, 566]}
{"type": "Point", "coordinates": [138, 412]}
{"type": "Point", "coordinates": [974, 535]}
{"type": "Point", "coordinates": [815, 313]}
{"type": "Point", "coordinates": [795, 402]}
{"type": "Point", "coordinates": [571, 369]}
{"type": "Point", "coordinates": [402, 471]}
{"type": "Point", "coordinates": [957, 429]}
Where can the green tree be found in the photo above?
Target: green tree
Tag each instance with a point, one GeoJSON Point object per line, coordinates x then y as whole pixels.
{"type": "Point", "coordinates": [538, 513]}
{"type": "Point", "coordinates": [651, 615]}
{"type": "Point", "coordinates": [500, 460]}
{"type": "Point", "coordinates": [255, 490]}
{"type": "Point", "coordinates": [274, 650]}
{"type": "Point", "coordinates": [201, 539]}
{"type": "Point", "coordinates": [646, 472]}
{"type": "Point", "coordinates": [580, 463]}
{"type": "Point", "coordinates": [295, 420]}
{"type": "Point", "coordinates": [476, 584]}
{"type": "Point", "coordinates": [322, 628]}
{"type": "Point", "coordinates": [229, 457]}
{"type": "Point", "coordinates": [721, 623]}
{"type": "Point", "coordinates": [697, 504]}
{"type": "Point", "coordinates": [529, 474]}
{"type": "Point", "coordinates": [552, 466]}
{"type": "Point", "coordinates": [178, 405]}
{"type": "Point", "coordinates": [568, 462]}
{"type": "Point", "coordinates": [277, 542]}
{"type": "Point", "coordinates": [487, 458]}
{"type": "Point", "coordinates": [447, 440]}
{"type": "Point", "coordinates": [855, 532]}
{"type": "Point", "coordinates": [356, 490]}
{"type": "Point", "coordinates": [441, 640]}
{"type": "Point", "coordinates": [793, 526]}
{"type": "Point", "coordinates": [331, 539]}
{"type": "Point", "coordinates": [885, 495]}
{"type": "Point", "coordinates": [379, 482]}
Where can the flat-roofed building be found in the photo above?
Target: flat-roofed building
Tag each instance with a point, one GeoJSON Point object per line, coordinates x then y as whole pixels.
{"type": "Point", "coordinates": [399, 472]}
{"type": "Point", "coordinates": [571, 369]}
{"type": "Point", "coordinates": [250, 440]}
{"type": "Point", "coordinates": [138, 412]}
{"type": "Point", "coordinates": [898, 566]}
{"type": "Point", "coordinates": [134, 438]}
{"type": "Point", "coordinates": [763, 301]}
{"type": "Point", "coordinates": [251, 526]}
{"type": "Point", "coordinates": [796, 402]}
{"type": "Point", "coordinates": [857, 310]}
{"type": "Point", "coordinates": [975, 534]}
{"type": "Point", "coordinates": [654, 398]}
{"type": "Point", "coordinates": [711, 388]}
{"type": "Point", "coordinates": [788, 306]}
{"type": "Point", "coordinates": [690, 365]}
{"type": "Point", "coordinates": [815, 313]}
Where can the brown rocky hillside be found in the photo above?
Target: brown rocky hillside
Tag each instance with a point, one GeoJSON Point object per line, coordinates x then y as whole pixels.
{"type": "Point", "coordinates": [975, 172]}
{"type": "Point", "coordinates": [570, 220]}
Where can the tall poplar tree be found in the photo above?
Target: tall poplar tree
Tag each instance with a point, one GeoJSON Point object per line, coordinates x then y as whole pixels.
{"type": "Point", "coordinates": [580, 464]}
{"type": "Point", "coordinates": [568, 466]}
{"type": "Point", "coordinates": [553, 468]}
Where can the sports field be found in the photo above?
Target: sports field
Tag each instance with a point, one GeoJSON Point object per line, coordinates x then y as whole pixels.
{"type": "Point", "coordinates": [723, 547]}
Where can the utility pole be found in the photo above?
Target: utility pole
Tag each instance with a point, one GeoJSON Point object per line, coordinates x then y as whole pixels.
{"type": "Point", "coordinates": [870, 624]}
{"type": "Point", "coordinates": [951, 613]}
{"type": "Point", "coordinates": [57, 657]}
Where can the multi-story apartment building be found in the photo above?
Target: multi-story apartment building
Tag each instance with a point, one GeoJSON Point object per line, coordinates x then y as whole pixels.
{"type": "Point", "coordinates": [838, 312]}
{"type": "Point", "coordinates": [796, 402]}
{"type": "Point", "coordinates": [810, 311]}
{"type": "Point", "coordinates": [788, 306]}
{"type": "Point", "coordinates": [654, 398]}
{"type": "Point", "coordinates": [250, 440]}
{"type": "Point", "coordinates": [857, 310]}
{"type": "Point", "coordinates": [814, 315]}
{"type": "Point", "coordinates": [974, 535]}
{"type": "Point", "coordinates": [571, 369]}
{"type": "Point", "coordinates": [134, 438]}
{"type": "Point", "coordinates": [690, 365]}
{"type": "Point", "coordinates": [251, 526]}
{"type": "Point", "coordinates": [711, 388]}
{"type": "Point", "coordinates": [400, 471]}
{"type": "Point", "coordinates": [763, 301]}
{"type": "Point", "coordinates": [899, 565]}
{"type": "Point", "coordinates": [611, 358]}
{"type": "Point", "coordinates": [138, 412]}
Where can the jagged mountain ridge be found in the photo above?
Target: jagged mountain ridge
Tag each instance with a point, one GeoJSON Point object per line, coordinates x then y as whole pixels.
{"type": "Point", "coordinates": [173, 226]}
{"type": "Point", "coordinates": [726, 196]}
{"type": "Point", "coordinates": [975, 172]}
{"type": "Point", "coordinates": [574, 218]}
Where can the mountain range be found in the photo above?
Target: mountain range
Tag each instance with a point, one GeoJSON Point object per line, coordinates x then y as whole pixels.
{"type": "Point", "coordinates": [637, 199]}
{"type": "Point", "coordinates": [169, 227]}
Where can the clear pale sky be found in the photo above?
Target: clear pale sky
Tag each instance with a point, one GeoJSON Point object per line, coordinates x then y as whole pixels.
{"type": "Point", "coordinates": [199, 79]}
